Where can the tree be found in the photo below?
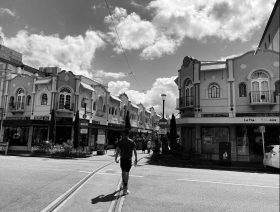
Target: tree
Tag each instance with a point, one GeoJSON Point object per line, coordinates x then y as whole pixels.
{"type": "Point", "coordinates": [173, 132]}
{"type": "Point", "coordinates": [127, 121]}
{"type": "Point", "coordinates": [76, 142]}
{"type": "Point", "coordinates": [52, 132]}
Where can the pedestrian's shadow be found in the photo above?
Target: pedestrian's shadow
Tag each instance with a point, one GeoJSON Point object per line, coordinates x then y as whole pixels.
{"type": "Point", "coordinates": [106, 198]}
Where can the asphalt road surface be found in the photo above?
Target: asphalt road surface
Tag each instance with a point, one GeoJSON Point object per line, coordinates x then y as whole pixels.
{"type": "Point", "coordinates": [32, 184]}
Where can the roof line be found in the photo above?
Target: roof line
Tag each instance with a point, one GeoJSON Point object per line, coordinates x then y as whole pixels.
{"type": "Point", "coordinates": [269, 20]}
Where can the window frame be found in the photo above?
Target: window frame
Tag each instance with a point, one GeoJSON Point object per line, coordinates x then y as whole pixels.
{"type": "Point", "coordinates": [214, 91]}
{"type": "Point", "coordinates": [44, 101]}
{"type": "Point", "coordinates": [242, 89]}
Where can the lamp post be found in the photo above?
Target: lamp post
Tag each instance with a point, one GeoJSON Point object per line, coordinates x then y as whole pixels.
{"type": "Point", "coordinates": [163, 96]}
{"type": "Point", "coordinates": [85, 105]}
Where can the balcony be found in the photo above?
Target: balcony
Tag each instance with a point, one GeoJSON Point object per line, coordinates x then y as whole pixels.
{"type": "Point", "coordinates": [262, 98]}
{"type": "Point", "coordinates": [185, 102]}
{"type": "Point", "coordinates": [17, 107]}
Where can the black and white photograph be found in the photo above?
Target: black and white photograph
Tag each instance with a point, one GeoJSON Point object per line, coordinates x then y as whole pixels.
{"type": "Point", "coordinates": [139, 105]}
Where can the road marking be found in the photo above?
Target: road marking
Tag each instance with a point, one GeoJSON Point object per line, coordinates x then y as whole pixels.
{"type": "Point", "coordinates": [61, 200]}
{"type": "Point", "coordinates": [223, 183]}
{"type": "Point", "coordinates": [85, 172]}
{"type": "Point", "coordinates": [118, 174]}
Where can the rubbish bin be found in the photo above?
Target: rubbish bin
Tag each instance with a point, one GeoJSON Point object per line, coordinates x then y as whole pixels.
{"type": "Point", "coordinates": [225, 153]}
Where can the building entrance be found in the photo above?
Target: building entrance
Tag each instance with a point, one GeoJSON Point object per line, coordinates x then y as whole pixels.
{"type": "Point", "coordinates": [63, 133]}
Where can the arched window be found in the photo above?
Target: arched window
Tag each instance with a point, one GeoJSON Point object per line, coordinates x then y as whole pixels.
{"type": "Point", "coordinates": [44, 99]}
{"type": "Point", "coordinates": [94, 106]}
{"type": "Point", "coordinates": [64, 98]}
{"type": "Point", "coordinates": [28, 100]}
{"type": "Point", "coordinates": [100, 104]}
{"type": "Point", "coordinates": [214, 91]}
{"type": "Point", "coordinates": [277, 87]}
{"type": "Point", "coordinates": [110, 110]}
{"type": "Point", "coordinates": [242, 90]}
{"type": "Point", "coordinates": [189, 95]}
{"type": "Point", "coordinates": [20, 97]}
{"type": "Point", "coordinates": [260, 91]}
{"type": "Point", "coordinates": [116, 111]}
{"type": "Point", "coordinates": [104, 108]}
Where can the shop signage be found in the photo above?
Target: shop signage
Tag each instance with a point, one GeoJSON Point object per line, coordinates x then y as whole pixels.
{"type": "Point", "coordinates": [45, 118]}
{"type": "Point", "coordinates": [261, 120]}
{"type": "Point", "coordinates": [262, 129]}
{"type": "Point", "coordinates": [84, 123]}
{"type": "Point", "coordinates": [162, 123]}
{"type": "Point", "coordinates": [84, 131]}
{"type": "Point", "coordinates": [162, 131]}
{"type": "Point", "coordinates": [17, 118]}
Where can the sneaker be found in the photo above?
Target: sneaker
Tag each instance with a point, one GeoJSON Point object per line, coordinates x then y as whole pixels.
{"type": "Point", "coordinates": [126, 191]}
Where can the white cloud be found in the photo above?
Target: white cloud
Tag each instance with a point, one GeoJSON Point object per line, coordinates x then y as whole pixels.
{"type": "Point", "coordinates": [173, 21]}
{"type": "Point", "coordinates": [6, 11]}
{"type": "Point", "coordinates": [103, 74]}
{"type": "Point", "coordinates": [151, 97]}
{"type": "Point", "coordinates": [73, 53]}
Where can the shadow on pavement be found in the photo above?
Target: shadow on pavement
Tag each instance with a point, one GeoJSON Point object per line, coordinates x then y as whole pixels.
{"type": "Point", "coordinates": [173, 161]}
{"type": "Point", "coordinates": [106, 198]}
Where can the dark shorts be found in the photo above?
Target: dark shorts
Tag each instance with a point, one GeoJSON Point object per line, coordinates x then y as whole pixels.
{"type": "Point", "coordinates": [126, 164]}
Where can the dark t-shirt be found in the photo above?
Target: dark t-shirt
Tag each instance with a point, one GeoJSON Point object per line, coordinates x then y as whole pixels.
{"type": "Point", "coordinates": [126, 146]}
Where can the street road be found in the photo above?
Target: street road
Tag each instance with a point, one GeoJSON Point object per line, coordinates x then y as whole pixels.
{"type": "Point", "coordinates": [31, 184]}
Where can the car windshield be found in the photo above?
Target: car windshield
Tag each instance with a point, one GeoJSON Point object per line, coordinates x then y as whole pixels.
{"type": "Point", "coordinates": [268, 148]}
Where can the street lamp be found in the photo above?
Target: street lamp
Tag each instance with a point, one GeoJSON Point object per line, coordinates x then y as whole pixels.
{"type": "Point", "coordinates": [85, 100]}
{"type": "Point", "coordinates": [163, 96]}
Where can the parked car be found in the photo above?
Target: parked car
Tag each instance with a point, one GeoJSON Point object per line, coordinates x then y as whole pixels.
{"type": "Point", "coordinates": [271, 157]}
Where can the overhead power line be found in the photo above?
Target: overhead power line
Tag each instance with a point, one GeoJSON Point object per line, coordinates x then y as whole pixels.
{"type": "Point", "coordinates": [121, 46]}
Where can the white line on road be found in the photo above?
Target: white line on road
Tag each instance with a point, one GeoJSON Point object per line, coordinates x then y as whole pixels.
{"type": "Point", "coordinates": [235, 184]}
{"type": "Point", "coordinates": [118, 174]}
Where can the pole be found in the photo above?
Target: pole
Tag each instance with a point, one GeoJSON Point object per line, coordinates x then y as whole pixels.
{"type": "Point", "coordinates": [263, 142]}
{"type": "Point", "coordinates": [85, 110]}
{"type": "Point", "coordinates": [163, 109]}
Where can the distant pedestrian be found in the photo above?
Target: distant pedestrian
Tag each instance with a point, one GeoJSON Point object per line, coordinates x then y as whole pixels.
{"type": "Point", "coordinates": [143, 145]}
{"type": "Point", "coordinates": [149, 145]}
{"type": "Point", "coordinates": [125, 147]}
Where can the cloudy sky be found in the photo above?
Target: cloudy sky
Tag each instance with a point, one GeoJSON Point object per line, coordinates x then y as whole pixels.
{"type": "Point", "coordinates": [155, 35]}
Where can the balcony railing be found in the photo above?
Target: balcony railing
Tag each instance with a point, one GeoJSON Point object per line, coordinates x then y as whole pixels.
{"type": "Point", "coordinates": [17, 107]}
{"type": "Point", "coordinates": [187, 101]}
{"type": "Point", "coordinates": [262, 97]}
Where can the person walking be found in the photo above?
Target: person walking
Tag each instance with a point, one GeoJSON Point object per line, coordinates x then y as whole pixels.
{"type": "Point", "coordinates": [149, 145]}
{"type": "Point", "coordinates": [125, 147]}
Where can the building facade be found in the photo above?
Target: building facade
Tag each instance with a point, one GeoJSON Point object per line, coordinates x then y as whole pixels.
{"type": "Point", "coordinates": [223, 104]}
{"type": "Point", "coordinates": [42, 104]}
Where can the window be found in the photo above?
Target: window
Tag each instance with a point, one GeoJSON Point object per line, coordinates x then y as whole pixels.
{"type": "Point", "coordinates": [104, 108]}
{"type": "Point", "coordinates": [64, 98]}
{"type": "Point", "coordinates": [113, 111]}
{"type": "Point", "coordinates": [189, 92]}
{"type": "Point", "coordinates": [20, 97]}
{"type": "Point", "coordinates": [44, 99]}
{"type": "Point", "coordinates": [242, 90]}
{"type": "Point", "coordinates": [12, 101]}
{"type": "Point", "coordinates": [277, 87]}
{"type": "Point", "coordinates": [94, 106]}
{"type": "Point", "coordinates": [214, 91]}
{"type": "Point", "coordinates": [28, 100]}
{"type": "Point", "coordinates": [260, 87]}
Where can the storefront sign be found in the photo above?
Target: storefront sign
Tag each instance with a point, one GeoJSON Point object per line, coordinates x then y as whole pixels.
{"type": "Point", "coordinates": [101, 137]}
{"type": "Point", "coordinates": [17, 118]}
{"type": "Point", "coordinates": [45, 118]}
{"type": "Point", "coordinates": [261, 120]}
{"type": "Point", "coordinates": [84, 123]}
{"type": "Point", "coordinates": [84, 131]}
{"type": "Point", "coordinates": [162, 131]}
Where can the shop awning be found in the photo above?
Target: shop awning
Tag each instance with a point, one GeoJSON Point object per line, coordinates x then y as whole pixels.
{"type": "Point", "coordinates": [42, 81]}
{"type": "Point", "coordinates": [86, 86]}
{"type": "Point", "coordinates": [116, 98]}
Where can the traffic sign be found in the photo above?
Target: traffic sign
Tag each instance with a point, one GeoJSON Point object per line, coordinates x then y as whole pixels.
{"type": "Point", "coordinates": [162, 123]}
{"type": "Point", "coordinates": [262, 129]}
{"type": "Point", "coordinates": [162, 131]}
